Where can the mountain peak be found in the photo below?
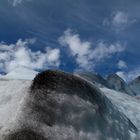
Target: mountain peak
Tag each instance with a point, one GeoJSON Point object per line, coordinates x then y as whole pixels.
{"type": "Point", "coordinates": [115, 76]}
{"type": "Point", "coordinates": [117, 83]}
{"type": "Point", "coordinates": [137, 80]}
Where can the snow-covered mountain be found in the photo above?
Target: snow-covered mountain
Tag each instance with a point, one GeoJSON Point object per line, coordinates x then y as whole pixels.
{"type": "Point", "coordinates": [62, 106]}
{"type": "Point", "coordinates": [117, 83]}
{"type": "Point", "coordinates": [135, 85]}
{"type": "Point", "coordinates": [113, 81]}
{"type": "Point", "coordinates": [95, 78]}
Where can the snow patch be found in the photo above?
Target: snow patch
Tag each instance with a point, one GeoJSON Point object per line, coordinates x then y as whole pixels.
{"type": "Point", "coordinates": [22, 73]}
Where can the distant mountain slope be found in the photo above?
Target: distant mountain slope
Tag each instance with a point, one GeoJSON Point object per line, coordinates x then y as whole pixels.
{"type": "Point", "coordinates": [95, 78]}
{"type": "Point", "coordinates": [135, 85]}
{"type": "Point", "coordinates": [113, 81]}
{"type": "Point", "coordinates": [118, 84]}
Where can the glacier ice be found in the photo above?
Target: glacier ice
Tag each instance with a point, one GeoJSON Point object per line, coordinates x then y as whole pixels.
{"type": "Point", "coordinates": [62, 106]}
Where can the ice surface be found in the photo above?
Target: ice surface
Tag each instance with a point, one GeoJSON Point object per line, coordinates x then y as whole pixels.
{"type": "Point", "coordinates": [12, 95]}
{"type": "Point", "coordinates": [126, 104]}
{"type": "Point", "coordinates": [13, 90]}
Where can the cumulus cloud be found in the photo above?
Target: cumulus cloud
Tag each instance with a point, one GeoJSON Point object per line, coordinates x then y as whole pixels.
{"type": "Point", "coordinates": [105, 50]}
{"type": "Point", "coordinates": [86, 56]}
{"type": "Point", "coordinates": [14, 55]}
{"type": "Point", "coordinates": [130, 75]}
{"type": "Point", "coordinates": [122, 65]}
{"type": "Point", "coordinates": [80, 50]}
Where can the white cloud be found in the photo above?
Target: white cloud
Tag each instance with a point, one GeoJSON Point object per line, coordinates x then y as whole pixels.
{"type": "Point", "coordinates": [119, 20]}
{"type": "Point", "coordinates": [17, 54]}
{"type": "Point", "coordinates": [16, 2]}
{"type": "Point", "coordinates": [78, 49]}
{"type": "Point", "coordinates": [105, 50]}
{"type": "Point", "coordinates": [74, 42]}
{"type": "Point", "coordinates": [122, 65]}
{"type": "Point", "coordinates": [86, 56]}
{"type": "Point", "coordinates": [130, 75]}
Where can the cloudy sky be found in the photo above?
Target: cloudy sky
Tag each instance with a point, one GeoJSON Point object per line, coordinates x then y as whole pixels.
{"type": "Point", "coordinates": [72, 35]}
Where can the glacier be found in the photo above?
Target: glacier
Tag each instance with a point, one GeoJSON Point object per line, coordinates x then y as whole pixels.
{"type": "Point", "coordinates": [55, 105]}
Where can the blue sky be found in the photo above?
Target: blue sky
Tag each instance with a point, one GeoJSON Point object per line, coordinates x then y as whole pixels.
{"type": "Point", "coordinates": [72, 35]}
